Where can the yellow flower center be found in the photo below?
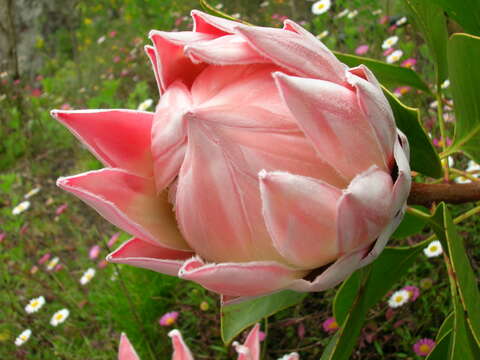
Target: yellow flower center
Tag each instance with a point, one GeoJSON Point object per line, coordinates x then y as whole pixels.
{"type": "Point", "coordinates": [320, 6]}
{"type": "Point", "coordinates": [59, 317]}
{"type": "Point", "coordinates": [399, 298]}
{"type": "Point", "coordinates": [333, 325]}
{"type": "Point", "coordinates": [170, 321]}
{"type": "Point", "coordinates": [23, 337]}
{"type": "Point", "coordinates": [433, 248]}
{"type": "Point", "coordinates": [424, 348]}
{"type": "Point", "coordinates": [34, 303]}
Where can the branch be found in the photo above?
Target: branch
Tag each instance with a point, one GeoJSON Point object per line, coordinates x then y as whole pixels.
{"type": "Point", "coordinates": [427, 194]}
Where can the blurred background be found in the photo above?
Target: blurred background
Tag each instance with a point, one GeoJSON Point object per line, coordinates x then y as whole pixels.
{"type": "Point", "coordinates": [73, 54]}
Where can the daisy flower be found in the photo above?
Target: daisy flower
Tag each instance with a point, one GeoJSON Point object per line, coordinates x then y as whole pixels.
{"type": "Point", "coordinates": [44, 259]}
{"type": "Point", "coordinates": [423, 347]}
{"type": "Point", "coordinates": [35, 304]}
{"type": "Point", "coordinates": [377, 12]}
{"type": "Point", "coordinates": [402, 90]}
{"type": "Point", "coordinates": [445, 84]}
{"type": "Point", "coordinates": [59, 317]}
{"type": "Point", "coordinates": [330, 325]}
{"type": "Point", "coordinates": [409, 63]}
{"type": "Point", "coordinates": [352, 14]}
{"type": "Point", "coordinates": [23, 337]}
{"type": "Point", "coordinates": [24, 205]}
{"type": "Point", "coordinates": [61, 209]}
{"type": "Point", "coordinates": [52, 263]}
{"type": "Point", "coordinates": [398, 298]}
{"type": "Point", "coordinates": [321, 7]}
{"type": "Point", "coordinates": [145, 105]}
{"type": "Point", "coordinates": [169, 318]}
{"type": "Point", "coordinates": [401, 21]}
{"type": "Point", "coordinates": [433, 249]}
{"type": "Point", "coordinates": [413, 291]}
{"type": "Point", "coordinates": [291, 356]}
{"type": "Point", "coordinates": [323, 34]}
{"type": "Point", "coordinates": [32, 192]}
{"type": "Point", "coordinates": [395, 56]}
{"type": "Point", "coordinates": [87, 276]}
{"type": "Point", "coordinates": [389, 42]}
{"type": "Point", "coordinates": [342, 13]}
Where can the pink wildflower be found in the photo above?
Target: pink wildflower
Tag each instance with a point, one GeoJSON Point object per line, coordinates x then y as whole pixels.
{"type": "Point", "coordinates": [39, 78]}
{"type": "Point", "coordinates": [36, 92]}
{"type": "Point", "coordinates": [66, 106]}
{"type": "Point", "coordinates": [388, 51]}
{"type": "Point", "coordinates": [116, 59]}
{"type": "Point", "coordinates": [402, 90]}
{"type": "Point", "coordinates": [113, 239]}
{"type": "Point", "coordinates": [361, 50]}
{"type": "Point", "coordinates": [423, 347]}
{"type": "Point", "coordinates": [409, 63]}
{"type": "Point", "coordinates": [112, 34]}
{"type": "Point", "coordinates": [58, 267]}
{"type": "Point", "coordinates": [44, 259]}
{"type": "Point", "coordinates": [261, 335]}
{"type": "Point", "coordinates": [94, 252]}
{"type": "Point", "coordinates": [102, 264]}
{"type": "Point", "coordinates": [2, 236]}
{"type": "Point", "coordinates": [169, 318]}
{"type": "Point", "coordinates": [61, 209]}
{"type": "Point", "coordinates": [414, 292]}
{"type": "Point", "coordinates": [330, 325]}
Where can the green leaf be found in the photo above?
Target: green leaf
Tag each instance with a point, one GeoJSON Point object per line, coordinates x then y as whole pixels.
{"type": "Point", "coordinates": [464, 73]}
{"type": "Point", "coordinates": [410, 225]}
{"type": "Point", "coordinates": [465, 278]}
{"type": "Point", "coordinates": [423, 157]}
{"type": "Point", "coordinates": [447, 326]}
{"type": "Point", "coordinates": [429, 18]}
{"type": "Point", "coordinates": [341, 345]}
{"type": "Point", "coordinates": [465, 12]}
{"type": "Point", "coordinates": [237, 317]}
{"type": "Point", "coordinates": [442, 348]}
{"type": "Point", "coordinates": [387, 74]}
{"type": "Point", "coordinates": [387, 269]}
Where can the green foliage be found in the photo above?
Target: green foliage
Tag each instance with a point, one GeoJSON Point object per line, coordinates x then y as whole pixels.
{"type": "Point", "coordinates": [423, 157]}
{"type": "Point", "coordinates": [465, 77]}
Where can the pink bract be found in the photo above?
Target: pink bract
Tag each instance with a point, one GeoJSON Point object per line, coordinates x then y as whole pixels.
{"type": "Point", "coordinates": [265, 160]}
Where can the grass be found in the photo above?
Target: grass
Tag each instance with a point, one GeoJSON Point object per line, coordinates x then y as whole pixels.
{"type": "Point", "coordinates": [124, 299]}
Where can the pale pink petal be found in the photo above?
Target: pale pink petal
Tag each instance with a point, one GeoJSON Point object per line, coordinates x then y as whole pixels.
{"type": "Point", "coordinates": [240, 279]}
{"type": "Point", "coordinates": [330, 117]}
{"type": "Point", "coordinates": [300, 214]}
{"type": "Point", "coordinates": [152, 55]}
{"type": "Point", "coordinates": [298, 52]}
{"type": "Point", "coordinates": [332, 275]}
{"type": "Point", "coordinates": [169, 134]}
{"type": "Point", "coordinates": [225, 50]}
{"type": "Point", "coordinates": [402, 185]}
{"type": "Point", "coordinates": [143, 254]}
{"type": "Point", "coordinates": [180, 349]}
{"type": "Point", "coordinates": [218, 202]}
{"type": "Point", "coordinates": [268, 141]}
{"type": "Point", "coordinates": [126, 351]}
{"type": "Point", "coordinates": [375, 107]}
{"type": "Point", "coordinates": [118, 138]}
{"type": "Point", "coordinates": [250, 350]}
{"type": "Point", "coordinates": [214, 25]}
{"type": "Point", "coordinates": [129, 202]}
{"type": "Point", "coordinates": [364, 210]}
{"type": "Point", "coordinates": [171, 61]}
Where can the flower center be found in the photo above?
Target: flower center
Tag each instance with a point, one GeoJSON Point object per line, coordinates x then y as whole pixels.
{"type": "Point", "coordinates": [399, 298]}
{"type": "Point", "coordinates": [424, 348]}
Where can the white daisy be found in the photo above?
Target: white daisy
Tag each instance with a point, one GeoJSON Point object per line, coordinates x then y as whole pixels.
{"type": "Point", "coordinates": [342, 13]}
{"type": "Point", "coordinates": [473, 166]}
{"type": "Point", "coordinates": [445, 84]}
{"type": "Point", "coordinates": [32, 192]}
{"type": "Point", "coordinates": [398, 298]}
{"type": "Point", "coordinates": [321, 7]}
{"type": "Point", "coordinates": [59, 317]}
{"type": "Point", "coordinates": [101, 39]}
{"type": "Point", "coordinates": [433, 249]}
{"type": "Point", "coordinates": [377, 12]}
{"type": "Point", "coordinates": [145, 105]}
{"type": "Point", "coordinates": [52, 263]}
{"type": "Point", "coordinates": [219, 6]}
{"type": "Point", "coordinates": [352, 14]}
{"type": "Point", "coordinates": [395, 56]}
{"type": "Point", "coordinates": [401, 21]}
{"type": "Point", "coordinates": [35, 304]}
{"type": "Point", "coordinates": [24, 205]}
{"type": "Point", "coordinates": [323, 34]}
{"type": "Point", "coordinates": [23, 337]}
{"type": "Point", "coordinates": [451, 162]}
{"type": "Point", "coordinates": [264, 4]}
{"type": "Point", "coordinates": [291, 356]}
{"type": "Point", "coordinates": [389, 42]}
{"type": "Point", "coordinates": [87, 276]}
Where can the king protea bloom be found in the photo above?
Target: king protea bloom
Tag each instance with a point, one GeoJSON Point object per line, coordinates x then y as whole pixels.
{"type": "Point", "coordinates": [267, 165]}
